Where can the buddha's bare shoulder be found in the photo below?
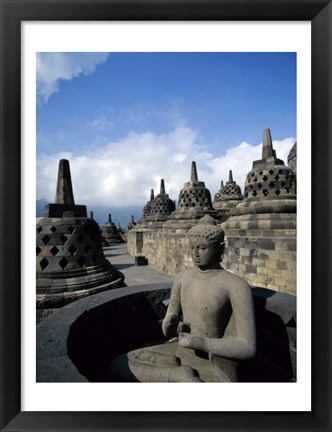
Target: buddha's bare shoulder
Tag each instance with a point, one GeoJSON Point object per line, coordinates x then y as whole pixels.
{"type": "Point", "coordinates": [234, 282]}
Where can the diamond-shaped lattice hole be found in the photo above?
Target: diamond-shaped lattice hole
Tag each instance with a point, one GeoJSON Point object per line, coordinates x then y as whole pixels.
{"type": "Point", "coordinates": [254, 193]}
{"type": "Point", "coordinates": [280, 171]}
{"type": "Point", "coordinates": [43, 263]}
{"type": "Point", "coordinates": [271, 184]}
{"type": "Point", "coordinates": [71, 229]}
{"type": "Point", "coordinates": [81, 261]}
{"type": "Point", "coordinates": [277, 177]}
{"type": "Point", "coordinates": [255, 179]}
{"type": "Point", "coordinates": [271, 171]}
{"type": "Point", "coordinates": [79, 238]}
{"type": "Point", "coordinates": [277, 192]}
{"type": "Point", "coordinates": [282, 184]}
{"type": "Point", "coordinates": [38, 250]}
{"type": "Point", "coordinates": [46, 239]}
{"type": "Point", "coordinates": [63, 239]}
{"type": "Point", "coordinates": [63, 262]}
{"type": "Point", "coordinates": [53, 229]}
{"type": "Point", "coordinates": [265, 178]}
{"type": "Point", "coordinates": [265, 192]}
{"type": "Point", "coordinates": [72, 249]}
{"type": "Point", "coordinates": [54, 250]}
{"type": "Point", "coordinates": [39, 229]}
{"type": "Point", "coordinates": [260, 172]}
{"type": "Point", "coordinates": [259, 186]}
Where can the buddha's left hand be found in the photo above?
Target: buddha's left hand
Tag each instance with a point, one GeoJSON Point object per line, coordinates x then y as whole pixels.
{"type": "Point", "coordinates": [193, 342]}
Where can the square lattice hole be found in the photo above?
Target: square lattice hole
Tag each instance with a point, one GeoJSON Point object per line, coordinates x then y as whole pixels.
{"type": "Point", "coordinates": [46, 239]}
{"type": "Point", "coordinates": [63, 263]}
{"type": "Point", "coordinates": [54, 250]}
{"type": "Point", "coordinates": [43, 263]}
{"type": "Point", "coordinates": [63, 239]}
{"type": "Point", "coordinates": [72, 249]}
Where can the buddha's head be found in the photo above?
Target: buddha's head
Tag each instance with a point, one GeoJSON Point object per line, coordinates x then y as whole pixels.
{"type": "Point", "coordinates": [206, 242]}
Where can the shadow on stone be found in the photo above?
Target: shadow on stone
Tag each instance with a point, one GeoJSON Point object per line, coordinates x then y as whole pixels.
{"type": "Point", "coordinates": [134, 321]}
{"type": "Point", "coordinates": [117, 326]}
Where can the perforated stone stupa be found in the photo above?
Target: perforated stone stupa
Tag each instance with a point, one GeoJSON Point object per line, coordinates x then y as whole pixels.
{"type": "Point", "coordinates": [147, 207]}
{"type": "Point", "coordinates": [161, 206]}
{"type": "Point", "coordinates": [227, 197]}
{"type": "Point", "coordinates": [291, 159]}
{"type": "Point", "coordinates": [194, 203]}
{"type": "Point", "coordinates": [261, 231]}
{"type": "Point", "coordinates": [157, 210]}
{"type": "Point", "coordinates": [110, 232]}
{"type": "Point", "coordinates": [269, 177]}
{"type": "Point", "coordinates": [70, 261]}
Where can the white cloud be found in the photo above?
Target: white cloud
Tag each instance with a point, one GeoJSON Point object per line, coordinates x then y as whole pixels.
{"type": "Point", "coordinates": [123, 173]}
{"type": "Point", "coordinates": [101, 122]}
{"type": "Point", "coordinates": [52, 67]}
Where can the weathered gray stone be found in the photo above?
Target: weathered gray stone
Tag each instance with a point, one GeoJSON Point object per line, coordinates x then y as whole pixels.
{"type": "Point", "coordinates": [110, 233]}
{"type": "Point", "coordinates": [227, 197]}
{"type": "Point", "coordinates": [210, 313]}
{"type": "Point", "coordinates": [265, 221]}
{"type": "Point", "coordinates": [69, 250]}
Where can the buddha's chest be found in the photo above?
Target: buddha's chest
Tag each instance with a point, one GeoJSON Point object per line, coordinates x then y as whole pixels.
{"type": "Point", "coordinates": [206, 308]}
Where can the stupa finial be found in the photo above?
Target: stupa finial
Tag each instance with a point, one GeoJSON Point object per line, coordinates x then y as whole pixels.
{"type": "Point", "coordinates": [152, 195]}
{"type": "Point", "coordinates": [221, 184]}
{"type": "Point", "coordinates": [267, 145]}
{"type": "Point", "coordinates": [109, 218]}
{"type": "Point", "coordinates": [162, 187]}
{"type": "Point", "coordinates": [230, 178]}
{"type": "Point", "coordinates": [194, 177]}
{"type": "Point", "coordinates": [64, 190]}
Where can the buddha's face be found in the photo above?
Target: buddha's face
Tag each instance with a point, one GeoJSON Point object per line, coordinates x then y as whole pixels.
{"type": "Point", "coordinates": [204, 254]}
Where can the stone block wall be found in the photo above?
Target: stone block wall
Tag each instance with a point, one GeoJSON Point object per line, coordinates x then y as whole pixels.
{"type": "Point", "coordinates": [166, 251]}
{"type": "Point", "coordinates": [264, 257]}
{"type": "Point", "coordinates": [263, 260]}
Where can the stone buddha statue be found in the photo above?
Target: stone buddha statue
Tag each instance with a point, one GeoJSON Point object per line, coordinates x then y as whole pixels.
{"type": "Point", "coordinates": [209, 322]}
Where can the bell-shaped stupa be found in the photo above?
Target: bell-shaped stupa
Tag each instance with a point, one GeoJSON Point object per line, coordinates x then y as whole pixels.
{"type": "Point", "coordinates": [269, 178]}
{"type": "Point", "coordinates": [70, 261]}
{"type": "Point", "coordinates": [161, 206]}
{"type": "Point", "coordinates": [194, 203]}
{"type": "Point", "coordinates": [157, 210]}
{"type": "Point", "coordinates": [261, 229]}
{"type": "Point", "coordinates": [147, 207]}
{"type": "Point", "coordinates": [110, 232]}
{"type": "Point", "coordinates": [227, 197]}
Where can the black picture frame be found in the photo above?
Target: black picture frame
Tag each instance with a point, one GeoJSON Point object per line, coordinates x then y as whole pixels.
{"type": "Point", "coordinates": [13, 12]}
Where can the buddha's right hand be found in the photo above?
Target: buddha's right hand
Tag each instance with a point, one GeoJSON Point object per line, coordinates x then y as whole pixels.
{"type": "Point", "coordinates": [170, 325]}
{"type": "Point", "coordinates": [184, 327]}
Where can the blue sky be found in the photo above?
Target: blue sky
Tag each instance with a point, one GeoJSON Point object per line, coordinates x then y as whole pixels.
{"type": "Point", "coordinates": [126, 120]}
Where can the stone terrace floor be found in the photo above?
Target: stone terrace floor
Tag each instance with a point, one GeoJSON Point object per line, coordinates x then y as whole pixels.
{"type": "Point", "coordinates": [118, 255]}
